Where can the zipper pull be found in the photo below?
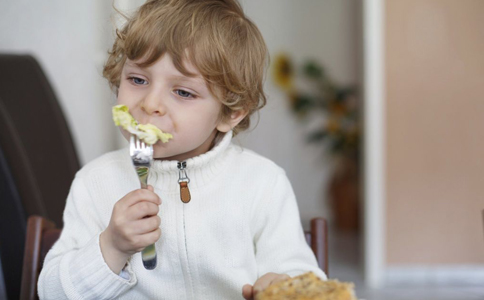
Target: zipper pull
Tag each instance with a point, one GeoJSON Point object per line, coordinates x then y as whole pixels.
{"type": "Point", "coordinates": [183, 180]}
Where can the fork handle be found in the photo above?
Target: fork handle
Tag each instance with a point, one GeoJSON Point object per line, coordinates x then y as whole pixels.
{"type": "Point", "coordinates": [148, 255]}
{"type": "Point", "coordinates": [143, 176]}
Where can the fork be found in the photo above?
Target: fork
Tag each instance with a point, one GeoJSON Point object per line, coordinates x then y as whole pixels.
{"type": "Point", "coordinates": [142, 157]}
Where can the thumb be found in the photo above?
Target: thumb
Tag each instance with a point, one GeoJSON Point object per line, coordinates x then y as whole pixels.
{"type": "Point", "coordinates": [247, 292]}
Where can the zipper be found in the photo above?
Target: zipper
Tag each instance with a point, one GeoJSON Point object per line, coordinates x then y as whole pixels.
{"type": "Point", "coordinates": [183, 181]}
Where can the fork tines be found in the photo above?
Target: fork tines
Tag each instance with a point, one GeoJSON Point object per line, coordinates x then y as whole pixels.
{"type": "Point", "coordinates": [140, 152]}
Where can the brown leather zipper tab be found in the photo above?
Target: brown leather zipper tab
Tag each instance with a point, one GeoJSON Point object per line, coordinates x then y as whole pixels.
{"type": "Point", "coordinates": [184, 192]}
{"type": "Point", "coordinates": [183, 180]}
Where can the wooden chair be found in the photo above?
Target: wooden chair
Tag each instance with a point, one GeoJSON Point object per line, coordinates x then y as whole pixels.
{"type": "Point", "coordinates": [41, 236]}
{"type": "Point", "coordinates": [317, 238]}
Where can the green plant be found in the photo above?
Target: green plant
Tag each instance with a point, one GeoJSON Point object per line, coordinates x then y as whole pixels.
{"type": "Point", "coordinates": [333, 106]}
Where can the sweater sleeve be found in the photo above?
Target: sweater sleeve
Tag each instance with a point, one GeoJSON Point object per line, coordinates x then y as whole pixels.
{"type": "Point", "coordinates": [280, 243]}
{"type": "Point", "coordinates": [74, 268]}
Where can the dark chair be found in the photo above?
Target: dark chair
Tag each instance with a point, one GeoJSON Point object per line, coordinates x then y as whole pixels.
{"type": "Point", "coordinates": [317, 238]}
{"type": "Point", "coordinates": [42, 234]}
{"type": "Point", "coordinates": [38, 159]}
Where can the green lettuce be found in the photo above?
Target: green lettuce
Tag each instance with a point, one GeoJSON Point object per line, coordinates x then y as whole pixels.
{"type": "Point", "coordinates": [149, 133]}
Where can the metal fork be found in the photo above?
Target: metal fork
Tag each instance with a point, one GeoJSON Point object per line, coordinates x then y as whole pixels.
{"type": "Point", "coordinates": [142, 157]}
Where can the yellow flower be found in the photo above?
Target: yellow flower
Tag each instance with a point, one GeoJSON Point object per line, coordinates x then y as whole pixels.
{"type": "Point", "coordinates": [282, 71]}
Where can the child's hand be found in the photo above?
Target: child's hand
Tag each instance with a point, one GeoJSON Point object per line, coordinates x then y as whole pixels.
{"type": "Point", "coordinates": [134, 225]}
{"type": "Point", "coordinates": [249, 291]}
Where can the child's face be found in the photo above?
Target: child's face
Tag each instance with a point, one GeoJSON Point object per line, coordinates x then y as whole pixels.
{"type": "Point", "coordinates": [180, 105]}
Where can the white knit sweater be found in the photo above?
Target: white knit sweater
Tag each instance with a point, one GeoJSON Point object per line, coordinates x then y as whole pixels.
{"type": "Point", "coordinates": [241, 223]}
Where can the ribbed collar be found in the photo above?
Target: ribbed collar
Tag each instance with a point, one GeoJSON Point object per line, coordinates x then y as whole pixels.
{"type": "Point", "coordinates": [200, 169]}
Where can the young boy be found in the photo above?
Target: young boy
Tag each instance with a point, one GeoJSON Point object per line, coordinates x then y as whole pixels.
{"type": "Point", "coordinates": [194, 69]}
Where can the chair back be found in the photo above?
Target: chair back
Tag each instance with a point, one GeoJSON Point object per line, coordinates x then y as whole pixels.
{"type": "Point", "coordinates": [35, 138]}
{"type": "Point", "coordinates": [38, 160]}
{"type": "Point", "coordinates": [317, 238]}
{"type": "Point", "coordinates": [41, 236]}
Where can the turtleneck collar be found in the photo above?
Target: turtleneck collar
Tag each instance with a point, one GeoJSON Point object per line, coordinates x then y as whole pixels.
{"type": "Point", "coordinates": [199, 169]}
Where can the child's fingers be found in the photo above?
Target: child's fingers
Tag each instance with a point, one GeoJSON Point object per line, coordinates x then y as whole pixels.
{"type": "Point", "coordinates": [142, 210]}
{"type": "Point", "coordinates": [146, 225]}
{"type": "Point", "coordinates": [149, 238]}
{"type": "Point", "coordinates": [263, 282]}
{"type": "Point", "coordinates": [139, 195]}
{"type": "Point", "coordinates": [279, 278]}
{"type": "Point", "coordinates": [247, 292]}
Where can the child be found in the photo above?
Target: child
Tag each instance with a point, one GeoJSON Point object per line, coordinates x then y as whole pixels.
{"type": "Point", "coordinates": [194, 69]}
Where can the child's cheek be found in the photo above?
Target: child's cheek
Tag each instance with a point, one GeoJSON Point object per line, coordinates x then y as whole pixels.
{"type": "Point", "coordinates": [125, 134]}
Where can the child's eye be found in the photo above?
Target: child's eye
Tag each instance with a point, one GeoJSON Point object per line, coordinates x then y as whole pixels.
{"type": "Point", "coordinates": [137, 80]}
{"type": "Point", "coordinates": [184, 94]}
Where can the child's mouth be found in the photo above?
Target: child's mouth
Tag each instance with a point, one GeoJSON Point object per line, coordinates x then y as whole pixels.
{"type": "Point", "coordinates": [149, 133]}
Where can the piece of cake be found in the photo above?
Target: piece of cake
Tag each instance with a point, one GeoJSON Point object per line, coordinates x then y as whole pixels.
{"type": "Point", "coordinates": [308, 286]}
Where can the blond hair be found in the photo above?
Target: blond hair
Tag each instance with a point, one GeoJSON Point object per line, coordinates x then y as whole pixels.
{"type": "Point", "coordinates": [214, 35]}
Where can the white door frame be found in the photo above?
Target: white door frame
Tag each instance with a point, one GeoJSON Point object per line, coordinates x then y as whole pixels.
{"type": "Point", "coordinates": [374, 143]}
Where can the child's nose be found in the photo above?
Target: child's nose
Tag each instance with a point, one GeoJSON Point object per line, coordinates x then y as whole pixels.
{"type": "Point", "coordinates": [154, 104]}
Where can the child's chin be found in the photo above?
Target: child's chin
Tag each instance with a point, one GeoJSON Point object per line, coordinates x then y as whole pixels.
{"type": "Point", "coordinates": [159, 152]}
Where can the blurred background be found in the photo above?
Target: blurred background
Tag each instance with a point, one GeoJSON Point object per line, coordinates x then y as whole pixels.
{"type": "Point", "coordinates": [375, 110]}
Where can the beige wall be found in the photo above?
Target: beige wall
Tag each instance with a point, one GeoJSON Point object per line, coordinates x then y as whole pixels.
{"type": "Point", "coordinates": [435, 133]}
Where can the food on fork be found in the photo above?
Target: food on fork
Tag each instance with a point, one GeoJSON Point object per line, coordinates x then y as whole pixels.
{"type": "Point", "coordinates": [148, 133]}
{"type": "Point", "coordinates": [308, 286]}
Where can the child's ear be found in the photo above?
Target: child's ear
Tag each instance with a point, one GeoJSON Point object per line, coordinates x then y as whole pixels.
{"type": "Point", "coordinates": [235, 118]}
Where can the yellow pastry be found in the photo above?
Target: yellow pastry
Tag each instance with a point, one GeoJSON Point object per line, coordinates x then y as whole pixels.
{"type": "Point", "coordinates": [308, 287]}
